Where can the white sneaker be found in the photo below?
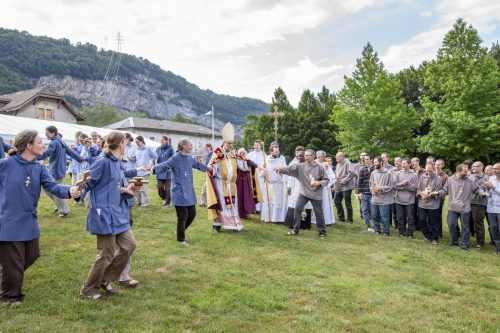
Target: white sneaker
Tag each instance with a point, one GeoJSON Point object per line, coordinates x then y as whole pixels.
{"type": "Point", "coordinates": [370, 230]}
{"type": "Point", "coordinates": [184, 243]}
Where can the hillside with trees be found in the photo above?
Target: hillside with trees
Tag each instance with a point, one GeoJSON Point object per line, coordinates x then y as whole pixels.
{"type": "Point", "coordinates": [26, 58]}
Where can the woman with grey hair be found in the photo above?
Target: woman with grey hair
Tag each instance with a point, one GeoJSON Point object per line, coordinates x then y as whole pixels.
{"type": "Point", "coordinates": [183, 195]}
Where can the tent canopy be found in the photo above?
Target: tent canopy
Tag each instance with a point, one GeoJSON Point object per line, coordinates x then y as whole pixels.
{"type": "Point", "coordinates": [11, 125]}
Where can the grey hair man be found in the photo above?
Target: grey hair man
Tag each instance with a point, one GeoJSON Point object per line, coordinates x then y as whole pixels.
{"type": "Point", "coordinates": [312, 178]}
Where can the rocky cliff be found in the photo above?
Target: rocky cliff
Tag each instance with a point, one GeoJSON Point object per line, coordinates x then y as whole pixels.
{"type": "Point", "coordinates": [141, 94]}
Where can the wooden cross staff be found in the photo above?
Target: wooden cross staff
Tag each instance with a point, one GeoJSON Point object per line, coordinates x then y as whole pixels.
{"type": "Point", "coordinates": [84, 180]}
{"type": "Point", "coordinates": [139, 181]}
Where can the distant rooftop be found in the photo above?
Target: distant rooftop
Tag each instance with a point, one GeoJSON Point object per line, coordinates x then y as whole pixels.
{"type": "Point", "coordinates": [161, 125]}
{"type": "Point", "coordinates": [14, 101]}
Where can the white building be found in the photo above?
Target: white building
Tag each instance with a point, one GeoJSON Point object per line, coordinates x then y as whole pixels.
{"type": "Point", "coordinates": [39, 103]}
{"type": "Point", "coordinates": [10, 126]}
{"type": "Point", "coordinates": [154, 129]}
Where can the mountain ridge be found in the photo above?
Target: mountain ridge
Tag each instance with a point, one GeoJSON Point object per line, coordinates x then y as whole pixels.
{"type": "Point", "coordinates": [86, 75]}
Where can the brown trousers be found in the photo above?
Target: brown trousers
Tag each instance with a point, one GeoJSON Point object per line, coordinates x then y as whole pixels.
{"type": "Point", "coordinates": [164, 189]}
{"type": "Point", "coordinates": [15, 258]}
{"type": "Point", "coordinates": [113, 253]}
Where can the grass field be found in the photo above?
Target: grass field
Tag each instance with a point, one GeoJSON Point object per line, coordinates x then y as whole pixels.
{"type": "Point", "coordinates": [258, 280]}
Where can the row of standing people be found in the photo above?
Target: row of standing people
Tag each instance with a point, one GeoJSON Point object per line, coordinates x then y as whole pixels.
{"type": "Point", "coordinates": [415, 196]}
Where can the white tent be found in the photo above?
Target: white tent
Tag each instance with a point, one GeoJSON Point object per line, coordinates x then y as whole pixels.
{"type": "Point", "coordinates": [11, 125]}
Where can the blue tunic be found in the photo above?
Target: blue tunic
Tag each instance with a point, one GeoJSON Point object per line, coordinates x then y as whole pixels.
{"type": "Point", "coordinates": [56, 152]}
{"type": "Point", "coordinates": [74, 165]}
{"type": "Point", "coordinates": [108, 212]}
{"type": "Point", "coordinates": [182, 185]}
{"type": "Point", "coordinates": [4, 148]}
{"type": "Point", "coordinates": [143, 157]}
{"type": "Point", "coordinates": [18, 202]}
{"type": "Point", "coordinates": [164, 153]}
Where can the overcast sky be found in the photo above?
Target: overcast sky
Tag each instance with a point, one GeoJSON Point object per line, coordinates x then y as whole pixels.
{"type": "Point", "coordinates": [250, 47]}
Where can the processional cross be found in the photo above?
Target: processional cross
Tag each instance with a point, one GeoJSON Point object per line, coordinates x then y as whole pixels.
{"type": "Point", "coordinates": [276, 114]}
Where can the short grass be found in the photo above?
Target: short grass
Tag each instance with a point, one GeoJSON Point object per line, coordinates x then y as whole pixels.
{"type": "Point", "coordinates": [258, 280]}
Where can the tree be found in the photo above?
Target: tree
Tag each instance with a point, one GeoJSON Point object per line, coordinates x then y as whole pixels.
{"type": "Point", "coordinates": [370, 114]}
{"type": "Point", "coordinates": [413, 90]}
{"type": "Point", "coordinates": [311, 126]}
{"type": "Point", "coordinates": [262, 127]}
{"type": "Point", "coordinates": [181, 119]}
{"type": "Point", "coordinates": [495, 53]}
{"type": "Point", "coordinates": [464, 98]}
{"type": "Point", "coordinates": [101, 115]}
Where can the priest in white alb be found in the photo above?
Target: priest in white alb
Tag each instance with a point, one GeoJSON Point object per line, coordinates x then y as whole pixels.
{"type": "Point", "coordinates": [274, 204]}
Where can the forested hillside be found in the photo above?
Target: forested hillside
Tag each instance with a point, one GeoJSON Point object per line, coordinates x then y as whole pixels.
{"type": "Point", "coordinates": [26, 58]}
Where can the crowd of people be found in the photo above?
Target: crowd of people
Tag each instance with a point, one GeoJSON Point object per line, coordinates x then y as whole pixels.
{"type": "Point", "coordinates": [110, 174]}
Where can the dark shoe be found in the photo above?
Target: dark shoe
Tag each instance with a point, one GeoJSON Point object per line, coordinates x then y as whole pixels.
{"type": "Point", "coordinates": [349, 222]}
{"type": "Point", "coordinates": [465, 248]}
{"type": "Point", "coordinates": [340, 220]}
{"type": "Point", "coordinates": [108, 289]}
{"type": "Point", "coordinates": [497, 252]}
{"type": "Point", "coordinates": [11, 301]}
{"type": "Point", "coordinates": [130, 283]}
{"type": "Point", "coordinates": [386, 234]}
{"type": "Point", "coordinates": [55, 210]}
{"type": "Point", "coordinates": [377, 233]}
{"type": "Point", "coordinates": [453, 244]}
{"type": "Point", "coordinates": [291, 233]}
{"type": "Point", "coordinates": [216, 228]}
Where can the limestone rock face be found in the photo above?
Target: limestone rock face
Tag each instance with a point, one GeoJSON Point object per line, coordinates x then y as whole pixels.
{"type": "Point", "coordinates": [140, 94]}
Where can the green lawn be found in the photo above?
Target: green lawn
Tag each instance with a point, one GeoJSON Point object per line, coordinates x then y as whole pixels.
{"type": "Point", "coordinates": [258, 280]}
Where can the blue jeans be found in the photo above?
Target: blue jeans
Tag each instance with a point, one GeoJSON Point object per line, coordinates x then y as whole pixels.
{"type": "Point", "coordinates": [365, 208]}
{"type": "Point", "coordinates": [494, 219]}
{"type": "Point", "coordinates": [452, 226]}
{"type": "Point", "coordinates": [381, 212]}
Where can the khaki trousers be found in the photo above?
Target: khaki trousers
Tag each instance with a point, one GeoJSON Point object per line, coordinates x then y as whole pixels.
{"type": "Point", "coordinates": [62, 204]}
{"type": "Point", "coordinates": [113, 253]}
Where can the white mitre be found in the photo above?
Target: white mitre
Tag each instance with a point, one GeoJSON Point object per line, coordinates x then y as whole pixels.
{"type": "Point", "coordinates": [228, 133]}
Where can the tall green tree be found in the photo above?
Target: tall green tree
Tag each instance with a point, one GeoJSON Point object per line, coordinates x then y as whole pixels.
{"type": "Point", "coordinates": [101, 115]}
{"type": "Point", "coordinates": [464, 104]}
{"type": "Point", "coordinates": [413, 90]}
{"type": "Point", "coordinates": [371, 114]}
{"type": "Point", "coordinates": [262, 127]}
{"type": "Point", "coordinates": [312, 127]}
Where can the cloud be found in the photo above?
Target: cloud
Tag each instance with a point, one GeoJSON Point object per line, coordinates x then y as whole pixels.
{"type": "Point", "coordinates": [308, 74]}
{"type": "Point", "coordinates": [482, 14]}
{"type": "Point", "coordinates": [426, 13]}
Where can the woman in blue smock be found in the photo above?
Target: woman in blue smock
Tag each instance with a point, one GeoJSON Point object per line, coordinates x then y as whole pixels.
{"type": "Point", "coordinates": [183, 196]}
{"type": "Point", "coordinates": [108, 217]}
{"type": "Point", "coordinates": [21, 180]}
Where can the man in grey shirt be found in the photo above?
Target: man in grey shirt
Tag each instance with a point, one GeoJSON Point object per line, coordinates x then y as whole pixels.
{"type": "Point", "coordinates": [381, 186]}
{"type": "Point", "coordinates": [460, 189]}
{"type": "Point", "coordinates": [312, 178]}
{"type": "Point", "coordinates": [478, 203]}
{"type": "Point", "coordinates": [429, 185]}
{"type": "Point", "coordinates": [346, 182]}
{"type": "Point", "coordinates": [405, 182]}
